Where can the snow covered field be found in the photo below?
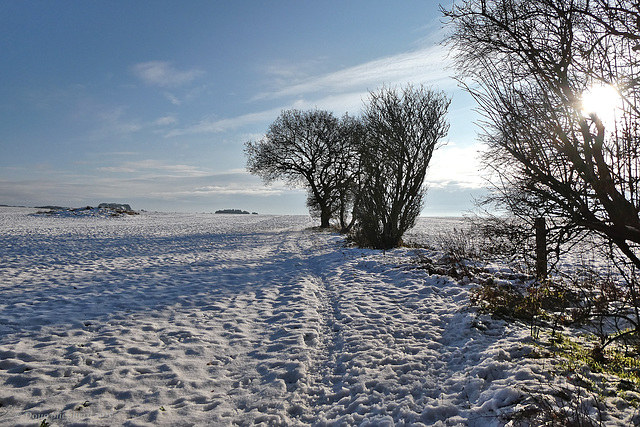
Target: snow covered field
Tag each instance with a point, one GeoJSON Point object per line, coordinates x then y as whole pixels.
{"type": "Point", "coordinates": [202, 319]}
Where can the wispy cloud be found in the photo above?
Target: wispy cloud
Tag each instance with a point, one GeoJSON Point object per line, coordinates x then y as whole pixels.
{"type": "Point", "coordinates": [114, 121]}
{"type": "Point", "coordinates": [119, 122]}
{"type": "Point", "coordinates": [164, 74]}
{"type": "Point", "coordinates": [218, 125]}
{"type": "Point", "coordinates": [151, 168]}
{"type": "Point", "coordinates": [279, 73]}
{"type": "Point", "coordinates": [427, 65]}
{"type": "Point", "coordinates": [165, 121]}
{"type": "Point", "coordinates": [339, 91]}
{"type": "Point", "coordinates": [236, 190]}
{"type": "Point", "coordinates": [173, 98]}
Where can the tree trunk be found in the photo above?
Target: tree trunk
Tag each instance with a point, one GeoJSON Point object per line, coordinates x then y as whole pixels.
{"type": "Point", "coordinates": [325, 217]}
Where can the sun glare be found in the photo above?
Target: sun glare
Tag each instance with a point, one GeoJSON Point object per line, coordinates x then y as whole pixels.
{"type": "Point", "coordinates": [603, 101]}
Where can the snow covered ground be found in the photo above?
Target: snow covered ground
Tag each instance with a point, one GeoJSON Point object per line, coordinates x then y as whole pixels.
{"type": "Point", "coordinates": [202, 319]}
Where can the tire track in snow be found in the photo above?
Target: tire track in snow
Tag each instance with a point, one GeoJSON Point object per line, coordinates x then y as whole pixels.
{"type": "Point", "coordinates": [377, 340]}
{"type": "Point", "coordinates": [398, 348]}
{"type": "Point", "coordinates": [270, 378]}
{"type": "Point", "coordinates": [353, 338]}
{"type": "Point", "coordinates": [386, 350]}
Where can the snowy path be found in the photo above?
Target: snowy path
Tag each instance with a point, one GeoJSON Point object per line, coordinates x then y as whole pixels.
{"type": "Point", "coordinates": [403, 349]}
{"type": "Point", "coordinates": [199, 319]}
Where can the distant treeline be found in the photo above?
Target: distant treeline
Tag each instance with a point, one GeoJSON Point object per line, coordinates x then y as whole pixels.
{"type": "Point", "coordinates": [234, 211]}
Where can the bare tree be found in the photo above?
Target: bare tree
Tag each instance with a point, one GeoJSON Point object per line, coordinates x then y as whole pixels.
{"type": "Point", "coordinates": [403, 128]}
{"type": "Point", "coordinates": [346, 170]}
{"type": "Point", "coordinates": [529, 64]}
{"type": "Point", "coordinates": [308, 149]}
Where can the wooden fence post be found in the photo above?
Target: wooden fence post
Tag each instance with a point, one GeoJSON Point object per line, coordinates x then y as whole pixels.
{"type": "Point", "coordinates": [541, 248]}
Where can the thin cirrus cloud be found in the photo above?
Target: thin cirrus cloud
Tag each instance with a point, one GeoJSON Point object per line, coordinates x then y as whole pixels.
{"type": "Point", "coordinates": [150, 168]}
{"type": "Point", "coordinates": [165, 121]}
{"type": "Point", "coordinates": [237, 189]}
{"type": "Point", "coordinates": [342, 90]}
{"type": "Point", "coordinates": [428, 65]}
{"type": "Point", "coordinates": [217, 125]}
{"type": "Point", "coordinates": [164, 74]}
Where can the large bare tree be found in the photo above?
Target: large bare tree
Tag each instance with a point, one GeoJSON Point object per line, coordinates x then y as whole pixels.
{"type": "Point", "coordinates": [529, 65]}
{"type": "Point", "coordinates": [403, 128]}
{"type": "Point", "coordinates": [308, 149]}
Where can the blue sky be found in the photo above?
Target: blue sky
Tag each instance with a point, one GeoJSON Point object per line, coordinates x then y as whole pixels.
{"type": "Point", "coordinates": [150, 102]}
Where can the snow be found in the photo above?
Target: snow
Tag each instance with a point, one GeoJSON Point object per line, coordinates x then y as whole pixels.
{"type": "Point", "coordinates": [200, 319]}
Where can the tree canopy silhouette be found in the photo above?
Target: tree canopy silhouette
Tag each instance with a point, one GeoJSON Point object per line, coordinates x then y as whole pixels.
{"type": "Point", "coordinates": [307, 149]}
{"type": "Point", "coordinates": [529, 65]}
{"type": "Point", "coordinates": [403, 128]}
{"type": "Point", "coordinates": [367, 171]}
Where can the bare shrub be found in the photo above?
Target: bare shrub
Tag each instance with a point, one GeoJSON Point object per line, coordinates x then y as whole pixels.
{"type": "Point", "coordinates": [561, 407]}
{"type": "Point", "coordinates": [403, 128]}
{"type": "Point", "coordinates": [481, 240]}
